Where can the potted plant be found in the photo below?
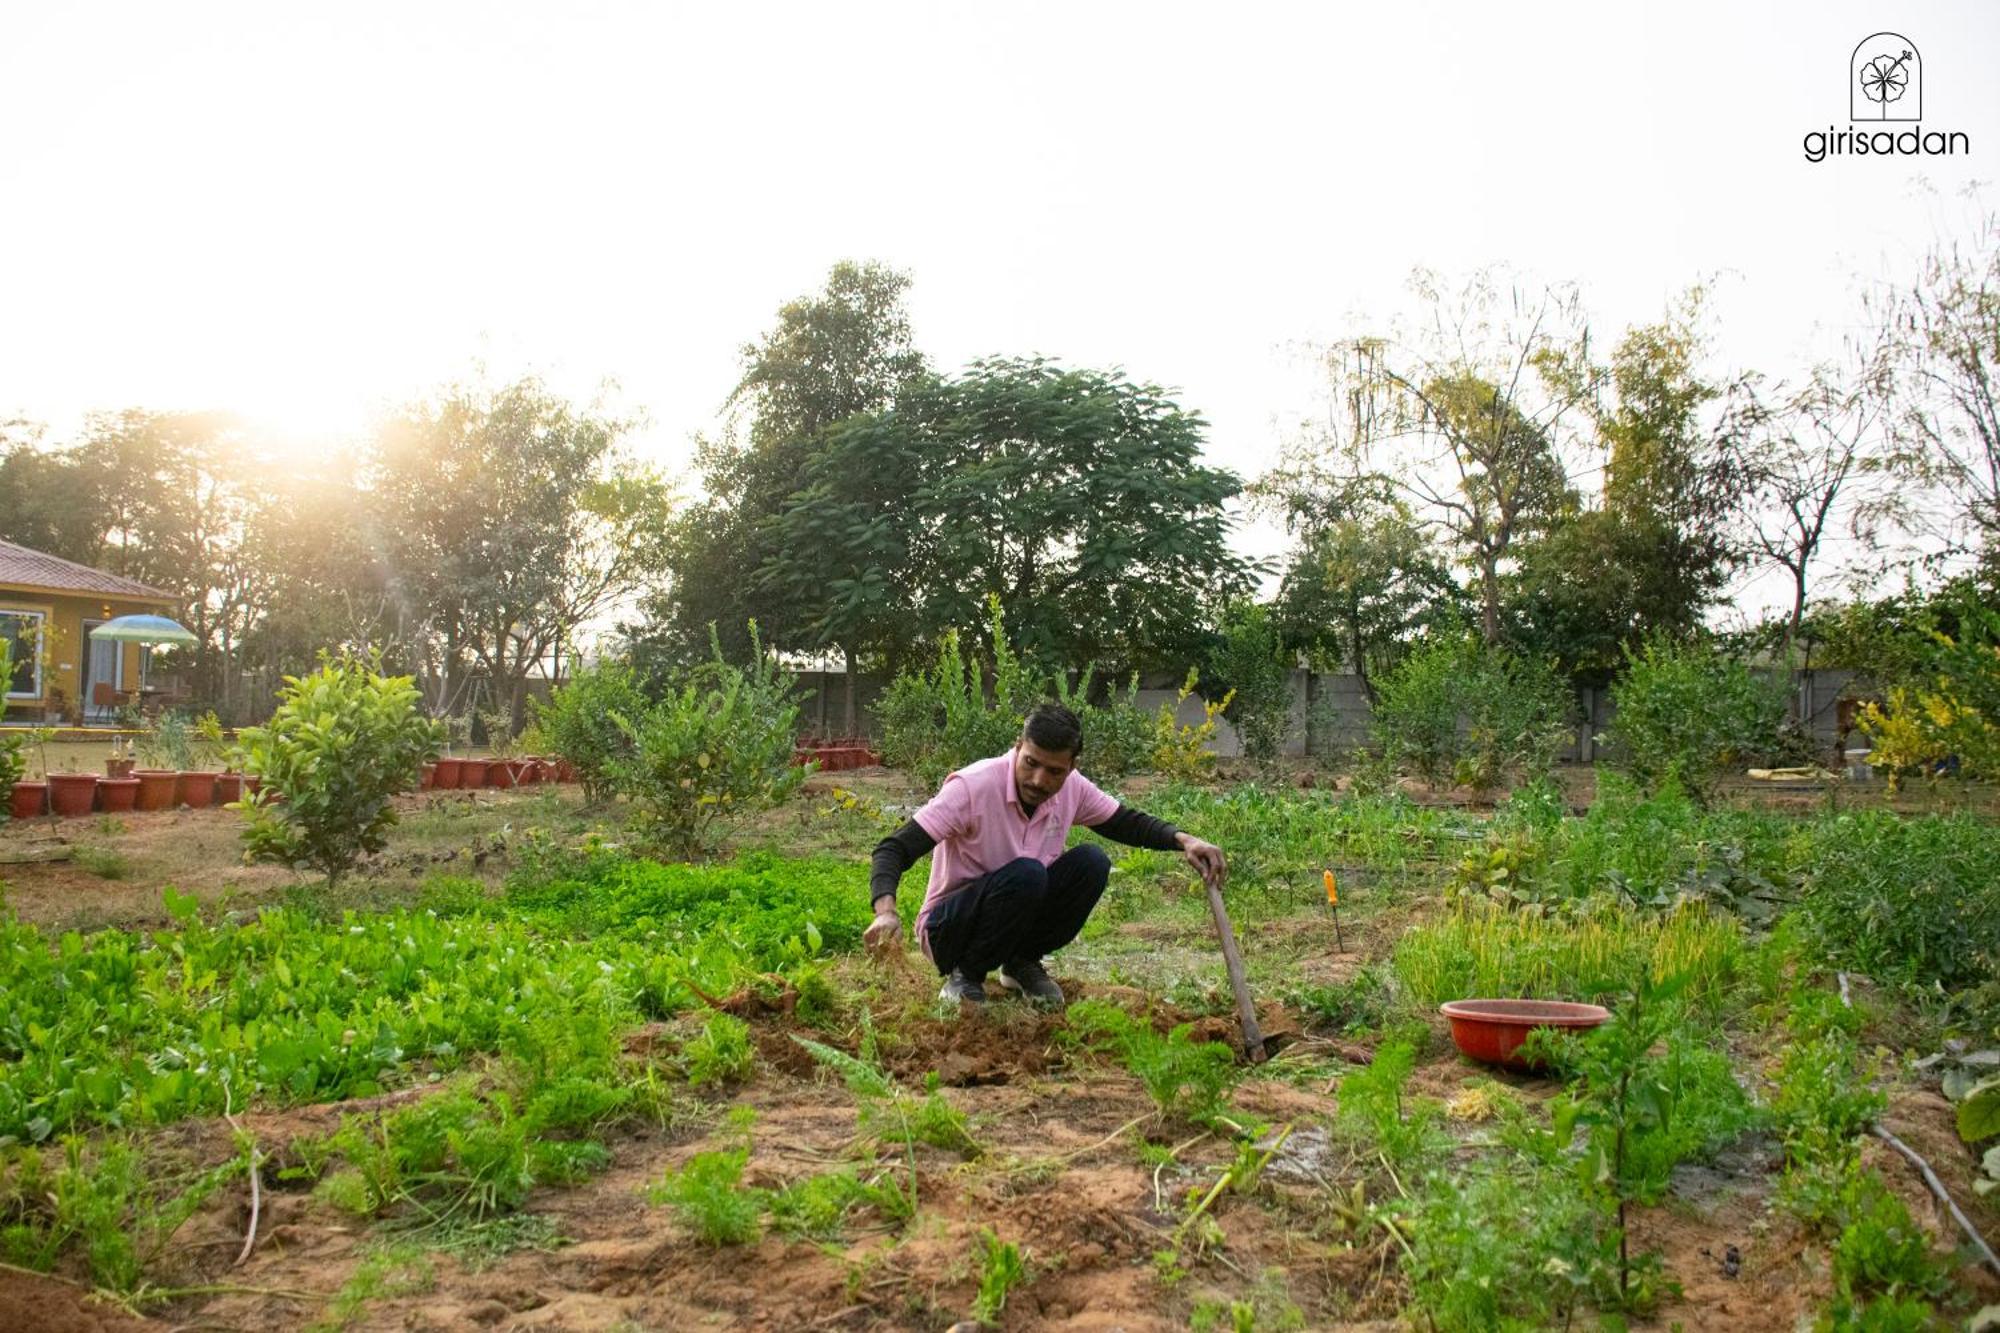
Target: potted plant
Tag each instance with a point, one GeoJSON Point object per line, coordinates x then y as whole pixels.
{"type": "Point", "coordinates": [503, 769]}
{"type": "Point", "coordinates": [72, 794]}
{"type": "Point", "coordinates": [195, 785]}
{"type": "Point", "coordinates": [117, 796]}
{"type": "Point", "coordinates": [157, 773]}
{"type": "Point", "coordinates": [450, 771]}
{"type": "Point", "coordinates": [26, 799]}
{"type": "Point", "coordinates": [534, 743]}
{"type": "Point", "coordinates": [121, 762]}
{"type": "Point", "coordinates": [229, 783]}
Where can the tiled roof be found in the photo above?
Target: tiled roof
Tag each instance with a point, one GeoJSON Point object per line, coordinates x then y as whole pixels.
{"type": "Point", "coordinates": [37, 569]}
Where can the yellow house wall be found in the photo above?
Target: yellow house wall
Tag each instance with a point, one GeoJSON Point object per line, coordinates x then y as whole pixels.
{"type": "Point", "coordinates": [66, 647]}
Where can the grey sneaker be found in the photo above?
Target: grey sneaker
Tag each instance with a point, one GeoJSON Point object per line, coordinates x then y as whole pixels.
{"type": "Point", "coordinates": [1031, 980]}
{"type": "Point", "coordinates": [959, 986]}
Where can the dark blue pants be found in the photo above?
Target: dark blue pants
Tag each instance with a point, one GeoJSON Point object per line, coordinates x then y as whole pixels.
{"type": "Point", "coordinates": [1022, 910]}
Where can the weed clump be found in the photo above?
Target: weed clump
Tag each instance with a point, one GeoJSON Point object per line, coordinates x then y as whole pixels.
{"type": "Point", "coordinates": [1187, 1079]}
{"type": "Point", "coordinates": [709, 1196]}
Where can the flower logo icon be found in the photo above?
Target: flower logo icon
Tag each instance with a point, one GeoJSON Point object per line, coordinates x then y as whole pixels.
{"type": "Point", "coordinates": [1883, 79]}
{"type": "Point", "coordinates": [1886, 79]}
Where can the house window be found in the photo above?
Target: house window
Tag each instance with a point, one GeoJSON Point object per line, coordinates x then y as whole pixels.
{"type": "Point", "coordinates": [22, 632]}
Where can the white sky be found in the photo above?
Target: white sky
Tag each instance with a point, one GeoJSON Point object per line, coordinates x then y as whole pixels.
{"type": "Point", "coordinates": [307, 213]}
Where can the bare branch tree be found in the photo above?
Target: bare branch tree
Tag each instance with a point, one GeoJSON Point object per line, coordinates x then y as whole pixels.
{"type": "Point", "coordinates": [1945, 438]}
{"type": "Point", "coordinates": [1463, 413]}
{"type": "Point", "coordinates": [1806, 458]}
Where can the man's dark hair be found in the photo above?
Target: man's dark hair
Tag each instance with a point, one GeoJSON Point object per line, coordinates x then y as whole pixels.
{"type": "Point", "coordinates": [1054, 727]}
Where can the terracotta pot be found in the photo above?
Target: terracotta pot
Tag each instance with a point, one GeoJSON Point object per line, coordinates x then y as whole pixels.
{"type": "Point", "coordinates": [72, 794]}
{"type": "Point", "coordinates": [116, 796]}
{"type": "Point", "coordinates": [445, 774]}
{"type": "Point", "coordinates": [196, 790]}
{"type": "Point", "coordinates": [1493, 1030]}
{"type": "Point", "coordinates": [500, 772]}
{"type": "Point", "coordinates": [427, 777]}
{"type": "Point", "coordinates": [29, 799]}
{"type": "Point", "coordinates": [472, 772]}
{"type": "Point", "coordinates": [531, 770]}
{"type": "Point", "coordinates": [156, 788]}
{"type": "Point", "coordinates": [548, 771]}
{"type": "Point", "coordinates": [119, 768]}
{"type": "Point", "coordinates": [566, 770]}
{"type": "Point", "coordinates": [228, 787]}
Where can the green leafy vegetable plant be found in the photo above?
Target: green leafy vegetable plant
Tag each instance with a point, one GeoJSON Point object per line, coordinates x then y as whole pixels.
{"type": "Point", "coordinates": [1000, 1271]}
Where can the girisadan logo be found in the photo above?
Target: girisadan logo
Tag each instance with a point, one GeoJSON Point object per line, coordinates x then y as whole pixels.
{"type": "Point", "coordinates": [1885, 90]}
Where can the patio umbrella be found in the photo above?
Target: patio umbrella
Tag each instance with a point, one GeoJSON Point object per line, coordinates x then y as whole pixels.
{"type": "Point", "coordinates": [144, 629]}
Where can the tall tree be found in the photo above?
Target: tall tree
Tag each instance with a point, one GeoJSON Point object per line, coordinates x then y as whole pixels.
{"type": "Point", "coordinates": [1656, 546]}
{"type": "Point", "coordinates": [1076, 495]}
{"type": "Point", "coordinates": [505, 514]}
{"type": "Point", "coordinates": [836, 354]}
{"type": "Point", "coordinates": [1463, 412]}
{"type": "Point", "coordinates": [1362, 578]}
{"type": "Point", "coordinates": [845, 549]}
{"type": "Point", "coordinates": [1804, 463]}
{"type": "Point", "coordinates": [47, 498]}
{"type": "Point", "coordinates": [1945, 439]}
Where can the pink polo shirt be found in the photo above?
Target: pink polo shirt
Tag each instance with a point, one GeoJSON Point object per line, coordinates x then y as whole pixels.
{"type": "Point", "coordinates": [977, 821]}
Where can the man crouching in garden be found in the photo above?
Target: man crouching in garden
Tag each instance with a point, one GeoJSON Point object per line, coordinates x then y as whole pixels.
{"type": "Point", "coordinates": [1003, 893]}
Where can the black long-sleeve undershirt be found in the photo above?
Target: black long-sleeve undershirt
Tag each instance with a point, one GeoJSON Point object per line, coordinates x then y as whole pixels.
{"type": "Point", "coordinates": [895, 854]}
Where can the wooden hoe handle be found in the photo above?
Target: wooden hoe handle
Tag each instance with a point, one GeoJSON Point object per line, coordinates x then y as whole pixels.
{"type": "Point", "coordinates": [1253, 1037]}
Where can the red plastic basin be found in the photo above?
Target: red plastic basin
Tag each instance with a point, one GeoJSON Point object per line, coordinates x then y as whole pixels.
{"type": "Point", "coordinates": [1492, 1031]}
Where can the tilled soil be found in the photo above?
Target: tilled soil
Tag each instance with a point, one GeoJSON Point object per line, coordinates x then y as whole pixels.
{"type": "Point", "coordinates": [1058, 1176]}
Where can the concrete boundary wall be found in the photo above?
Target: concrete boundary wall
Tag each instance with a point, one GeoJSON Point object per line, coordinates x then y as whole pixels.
{"type": "Point", "coordinates": [1339, 712]}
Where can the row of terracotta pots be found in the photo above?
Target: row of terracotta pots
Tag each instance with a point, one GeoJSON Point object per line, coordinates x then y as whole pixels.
{"type": "Point", "coordinates": [74, 794]}
{"type": "Point", "coordinates": [837, 758]}
{"type": "Point", "coordinates": [462, 774]}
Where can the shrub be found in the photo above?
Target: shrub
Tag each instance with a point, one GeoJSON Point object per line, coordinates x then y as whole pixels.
{"type": "Point", "coordinates": [343, 741]}
{"type": "Point", "coordinates": [1460, 712]}
{"type": "Point", "coordinates": [1910, 900]}
{"type": "Point", "coordinates": [710, 751]}
{"type": "Point", "coordinates": [1251, 661]}
{"type": "Point", "coordinates": [1649, 1094]}
{"type": "Point", "coordinates": [578, 722]}
{"type": "Point", "coordinates": [1944, 720]}
{"type": "Point", "coordinates": [1685, 712]}
{"type": "Point", "coordinates": [1182, 751]}
{"type": "Point", "coordinates": [1117, 734]}
{"type": "Point", "coordinates": [936, 722]}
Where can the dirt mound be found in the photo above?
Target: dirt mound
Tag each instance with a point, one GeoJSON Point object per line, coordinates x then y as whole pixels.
{"type": "Point", "coordinates": [44, 1304]}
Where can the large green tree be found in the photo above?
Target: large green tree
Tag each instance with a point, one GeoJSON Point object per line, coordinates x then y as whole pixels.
{"type": "Point", "coordinates": [507, 518]}
{"type": "Point", "coordinates": [1076, 495]}
{"type": "Point", "coordinates": [47, 499]}
{"type": "Point", "coordinates": [1358, 588]}
{"type": "Point", "coordinates": [830, 356]}
{"type": "Point", "coordinates": [1655, 547]}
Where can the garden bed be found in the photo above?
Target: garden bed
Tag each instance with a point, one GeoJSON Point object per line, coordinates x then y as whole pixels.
{"type": "Point", "coordinates": [1096, 1182]}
